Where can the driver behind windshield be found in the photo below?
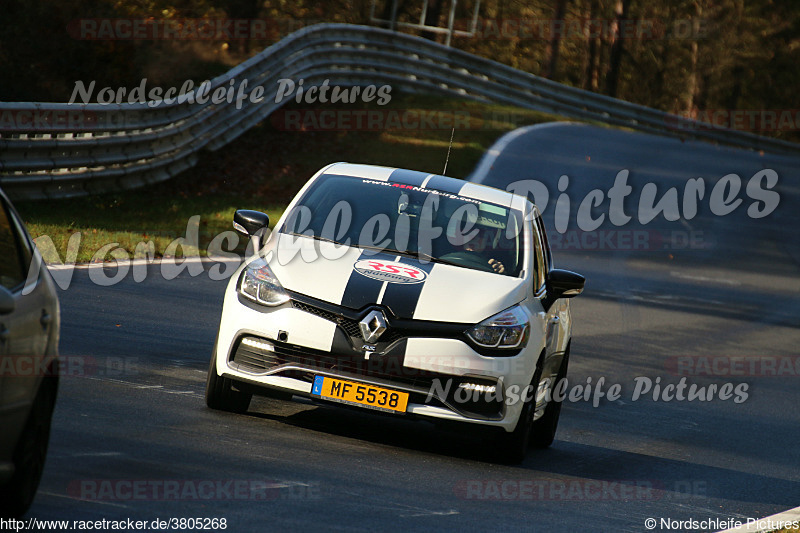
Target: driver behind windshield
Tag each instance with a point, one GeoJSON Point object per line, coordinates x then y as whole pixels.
{"type": "Point", "coordinates": [483, 246]}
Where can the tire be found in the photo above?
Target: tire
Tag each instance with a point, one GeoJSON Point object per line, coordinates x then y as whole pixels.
{"type": "Point", "coordinates": [543, 431]}
{"type": "Point", "coordinates": [16, 496]}
{"type": "Point", "coordinates": [511, 448]}
{"type": "Point", "coordinates": [220, 394]}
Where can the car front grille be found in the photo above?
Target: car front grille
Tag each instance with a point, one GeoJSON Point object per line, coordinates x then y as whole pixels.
{"type": "Point", "coordinates": [349, 325]}
{"type": "Point", "coordinates": [258, 355]}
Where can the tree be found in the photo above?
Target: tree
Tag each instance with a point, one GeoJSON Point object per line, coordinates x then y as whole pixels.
{"type": "Point", "coordinates": [552, 50]}
{"type": "Point", "coordinates": [615, 61]}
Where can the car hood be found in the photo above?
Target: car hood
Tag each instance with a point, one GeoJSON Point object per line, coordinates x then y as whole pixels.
{"type": "Point", "coordinates": [357, 278]}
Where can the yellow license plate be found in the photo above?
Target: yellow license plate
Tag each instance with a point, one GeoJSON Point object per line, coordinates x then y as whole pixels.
{"type": "Point", "coordinates": [359, 394]}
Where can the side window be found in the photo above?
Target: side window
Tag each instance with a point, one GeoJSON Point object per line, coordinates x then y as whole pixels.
{"type": "Point", "coordinates": [12, 253]}
{"type": "Point", "coordinates": [548, 258]}
{"type": "Point", "coordinates": [539, 258]}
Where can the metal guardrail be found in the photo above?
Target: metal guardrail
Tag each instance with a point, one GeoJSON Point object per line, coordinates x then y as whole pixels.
{"type": "Point", "coordinates": [60, 150]}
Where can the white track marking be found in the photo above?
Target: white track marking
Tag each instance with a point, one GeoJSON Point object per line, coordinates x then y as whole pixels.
{"type": "Point", "coordinates": [53, 494]}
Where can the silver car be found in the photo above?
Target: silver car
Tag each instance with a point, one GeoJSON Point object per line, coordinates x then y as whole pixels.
{"type": "Point", "coordinates": [29, 334]}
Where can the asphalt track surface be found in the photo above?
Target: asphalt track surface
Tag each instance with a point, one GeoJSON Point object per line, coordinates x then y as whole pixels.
{"type": "Point", "coordinates": [133, 410]}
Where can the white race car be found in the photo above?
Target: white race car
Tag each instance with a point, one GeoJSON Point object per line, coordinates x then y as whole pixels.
{"type": "Point", "coordinates": [409, 293]}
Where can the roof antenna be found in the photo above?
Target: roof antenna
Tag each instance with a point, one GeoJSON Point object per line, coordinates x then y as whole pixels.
{"type": "Point", "coordinates": [444, 172]}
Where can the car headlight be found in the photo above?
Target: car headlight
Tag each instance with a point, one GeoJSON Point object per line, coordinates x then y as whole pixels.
{"type": "Point", "coordinates": [507, 329]}
{"type": "Point", "coordinates": [259, 284]}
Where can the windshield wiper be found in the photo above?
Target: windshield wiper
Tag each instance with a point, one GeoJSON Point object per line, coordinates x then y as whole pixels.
{"type": "Point", "coordinates": [413, 253]}
{"type": "Point", "coordinates": [316, 238]}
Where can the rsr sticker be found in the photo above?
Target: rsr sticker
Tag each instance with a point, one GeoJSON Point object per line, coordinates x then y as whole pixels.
{"type": "Point", "coordinates": [390, 271]}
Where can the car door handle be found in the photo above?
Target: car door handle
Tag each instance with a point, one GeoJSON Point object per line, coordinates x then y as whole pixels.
{"type": "Point", "coordinates": [555, 319]}
{"type": "Point", "coordinates": [45, 320]}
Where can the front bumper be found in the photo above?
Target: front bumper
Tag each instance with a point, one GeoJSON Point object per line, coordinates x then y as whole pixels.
{"type": "Point", "coordinates": [284, 348]}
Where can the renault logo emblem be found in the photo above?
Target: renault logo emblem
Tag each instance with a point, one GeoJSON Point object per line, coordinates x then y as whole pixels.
{"type": "Point", "coordinates": [372, 326]}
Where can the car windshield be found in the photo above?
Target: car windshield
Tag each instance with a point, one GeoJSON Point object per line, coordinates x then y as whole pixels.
{"type": "Point", "coordinates": [428, 224]}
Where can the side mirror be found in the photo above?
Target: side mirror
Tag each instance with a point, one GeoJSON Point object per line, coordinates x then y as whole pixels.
{"type": "Point", "coordinates": [249, 222]}
{"type": "Point", "coordinates": [7, 302]}
{"type": "Point", "coordinates": [252, 224]}
{"type": "Point", "coordinates": [564, 284]}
